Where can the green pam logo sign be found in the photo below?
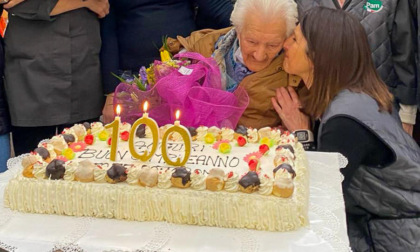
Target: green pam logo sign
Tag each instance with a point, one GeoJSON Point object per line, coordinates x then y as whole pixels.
{"type": "Point", "coordinates": [373, 6]}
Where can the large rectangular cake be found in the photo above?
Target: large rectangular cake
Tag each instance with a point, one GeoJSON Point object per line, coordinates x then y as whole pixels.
{"type": "Point", "coordinates": [254, 179]}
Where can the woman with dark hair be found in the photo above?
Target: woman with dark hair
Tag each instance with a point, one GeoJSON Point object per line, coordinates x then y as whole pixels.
{"type": "Point", "coordinates": [329, 50]}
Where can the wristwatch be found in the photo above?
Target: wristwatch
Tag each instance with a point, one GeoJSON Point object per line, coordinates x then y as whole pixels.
{"type": "Point", "coordinates": [306, 137]}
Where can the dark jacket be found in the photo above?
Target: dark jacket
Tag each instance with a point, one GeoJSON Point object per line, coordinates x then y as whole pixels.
{"type": "Point", "coordinates": [133, 30]}
{"type": "Point", "coordinates": [4, 112]}
{"type": "Point", "coordinates": [391, 36]}
{"type": "Point", "coordinates": [382, 199]}
{"type": "Point", "coordinates": [52, 72]}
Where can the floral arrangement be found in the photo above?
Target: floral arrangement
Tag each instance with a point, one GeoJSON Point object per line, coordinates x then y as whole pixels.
{"type": "Point", "coordinates": [186, 81]}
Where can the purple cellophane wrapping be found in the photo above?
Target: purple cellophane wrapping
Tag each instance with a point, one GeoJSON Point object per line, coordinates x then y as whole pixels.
{"type": "Point", "coordinates": [199, 96]}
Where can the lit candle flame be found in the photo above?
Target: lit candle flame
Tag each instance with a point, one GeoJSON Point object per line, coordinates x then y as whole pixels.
{"type": "Point", "coordinates": [177, 114]}
{"type": "Point", "coordinates": [118, 110]}
{"type": "Point", "coordinates": [145, 106]}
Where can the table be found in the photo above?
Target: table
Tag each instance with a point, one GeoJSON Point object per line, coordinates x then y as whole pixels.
{"type": "Point", "coordinates": [327, 230]}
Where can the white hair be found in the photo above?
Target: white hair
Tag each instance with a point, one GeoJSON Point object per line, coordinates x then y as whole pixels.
{"type": "Point", "coordinates": [267, 9]}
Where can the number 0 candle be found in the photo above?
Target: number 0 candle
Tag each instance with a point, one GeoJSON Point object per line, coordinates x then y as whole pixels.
{"type": "Point", "coordinates": [149, 122]}
{"type": "Point", "coordinates": [115, 125]}
{"type": "Point", "coordinates": [186, 137]}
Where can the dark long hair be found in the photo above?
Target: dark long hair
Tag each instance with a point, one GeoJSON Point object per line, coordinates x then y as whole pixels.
{"type": "Point", "coordinates": [339, 50]}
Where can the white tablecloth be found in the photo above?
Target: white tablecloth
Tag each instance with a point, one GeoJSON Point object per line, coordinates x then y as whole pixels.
{"type": "Point", "coordinates": [327, 230]}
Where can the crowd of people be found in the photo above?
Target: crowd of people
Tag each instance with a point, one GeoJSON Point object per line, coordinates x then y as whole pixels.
{"type": "Point", "coordinates": [345, 70]}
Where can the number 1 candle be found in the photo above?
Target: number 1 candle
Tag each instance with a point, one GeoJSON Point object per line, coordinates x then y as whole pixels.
{"type": "Point", "coordinates": [115, 125]}
{"type": "Point", "coordinates": [149, 122]}
{"type": "Point", "coordinates": [186, 136]}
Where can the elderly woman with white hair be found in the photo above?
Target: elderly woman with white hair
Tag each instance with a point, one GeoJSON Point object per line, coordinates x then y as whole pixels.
{"type": "Point", "coordinates": [249, 54]}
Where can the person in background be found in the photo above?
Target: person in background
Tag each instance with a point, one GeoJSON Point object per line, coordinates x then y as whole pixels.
{"type": "Point", "coordinates": [391, 35]}
{"type": "Point", "coordinates": [133, 31]}
{"type": "Point", "coordinates": [381, 186]}
{"type": "Point", "coordinates": [52, 70]}
{"type": "Point", "coordinates": [249, 54]}
{"type": "Point", "coordinates": [4, 115]}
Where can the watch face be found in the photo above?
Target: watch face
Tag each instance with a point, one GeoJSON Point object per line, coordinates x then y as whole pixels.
{"type": "Point", "coordinates": [302, 136]}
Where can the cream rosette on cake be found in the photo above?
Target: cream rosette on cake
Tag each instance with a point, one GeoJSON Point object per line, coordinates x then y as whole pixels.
{"type": "Point", "coordinates": [266, 186]}
{"type": "Point", "coordinates": [99, 174]}
{"type": "Point", "coordinates": [96, 128]}
{"type": "Point", "coordinates": [201, 133]}
{"type": "Point", "coordinates": [228, 134]}
{"type": "Point", "coordinates": [231, 184]}
{"type": "Point", "coordinates": [252, 135]}
{"type": "Point", "coordinates": [198, 180]}
{"type": "Point", "coordinates": [39, 169]}
{"type": "Point", "coordinates": [70, 167]}
{"type": "Point", "coordinates": [133, 173]}
{"type": "Point", "coordinates": [164, 178]}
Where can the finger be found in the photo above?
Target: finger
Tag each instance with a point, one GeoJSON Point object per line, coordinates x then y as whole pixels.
{"type": "Point", "coordinates": [276, 106]}
{"type": "Point", "coordinates": [294, 96]}
{"type": "Point", "coordinates": [286, 99]}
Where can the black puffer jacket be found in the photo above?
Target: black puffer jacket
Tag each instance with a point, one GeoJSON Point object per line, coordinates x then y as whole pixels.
{"type": "Point", "coordinates": [4, 111]}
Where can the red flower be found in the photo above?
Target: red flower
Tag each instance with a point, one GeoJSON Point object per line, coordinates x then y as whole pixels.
{"type": "Point", "coordinates": [124, 135]}
{"type": "Point", "coordinates": [89, 139]}
{"type": "Point", "coordinates": [264, 148]}
{"type": "Point", "coordinates": [241, 141]}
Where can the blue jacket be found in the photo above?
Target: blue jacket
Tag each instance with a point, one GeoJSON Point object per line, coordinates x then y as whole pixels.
{"type": "Point", "coordinates": [133, 30]}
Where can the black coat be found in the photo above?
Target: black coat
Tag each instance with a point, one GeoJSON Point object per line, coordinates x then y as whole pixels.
{"type": "Point", "coordinates": [4, 112]}
{"type": "Point", "coordinates": [133, 30]}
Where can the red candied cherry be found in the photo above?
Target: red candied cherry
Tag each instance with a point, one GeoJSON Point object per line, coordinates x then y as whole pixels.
{"type": "Point", "coordinates": [264, 148]}
{"type": "Point", "coordinates": [230, 174]}
{"type": "Point", "coordinates": [109, 141]}
{"type": "Point", "coordinates": [241, 141]}
{"type": "Point", "coordinates": [124, 135]}
{"type": "Point", "coordinates": [89, 139]}
{"type": "Point", "coordinates": [196, 171]}
{"type": "Point", "coordinates": [253, 163]}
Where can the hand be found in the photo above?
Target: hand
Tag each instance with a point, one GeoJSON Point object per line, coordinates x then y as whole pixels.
{"type": "Point", "coordinates": [100, 7]}
{"type": "Point", "coordinates": [287, 105]}
{"type": "Point", "coordinates": [108, 110]}
{"type": "Point", "coordinates": [11, 3]}
{"type": "Point", "coordinates": [408, 128]}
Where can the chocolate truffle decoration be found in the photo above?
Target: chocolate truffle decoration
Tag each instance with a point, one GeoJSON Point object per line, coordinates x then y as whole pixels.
{"type": "Point", "coordinates": [69, 138]}
{"type": "Point", "coordinates": [87, 125]}
{"type": "Point", "coordinates": [241, 129]}
{"type": "Point", "coordinates": [287, 167]}
{"type": "Point", "coordinates": [250, 179]}
{"type": "Point", "coordinates": [183, 173]}
{"type": "Point", "coordinates": [141, 131]}
{"type": "Point", "coordinates": [192, 131]}
{"type": "Point", "coordinates": [44, 153]}
{"type": "Point", "coordinates": [55, 170]}
{"type": "Point", "coordinates": [117, 172]}
{"type": "Point", "coordinates": [286, 146]}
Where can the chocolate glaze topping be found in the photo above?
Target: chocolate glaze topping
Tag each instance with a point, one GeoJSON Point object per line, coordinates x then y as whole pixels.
{"type": "Point", "coordinates": [241, 130]}
{"type": "Point", "coordinates": [250, 179]}
{"type": "Point", "coordinates": [116, 172]}
{"type": "Point", "coordinates": [286, 146]}
{"type": "Point", "coordinates": [87, 125]}
{"type": "Point", "coordinates": [141, 131]}
{"type": "Point", "coordinates": [182, 172]}
{"type": "Point", "coordinates": [287, 167]}
{"type": "Point", "coordinates": [192, 131]}
{"type": "Point", "coordinates": [55, 170]}
{"type": "Point", "coordinates": [44, 153]}
{"type": "Point", "coordinates": [69, 138]}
